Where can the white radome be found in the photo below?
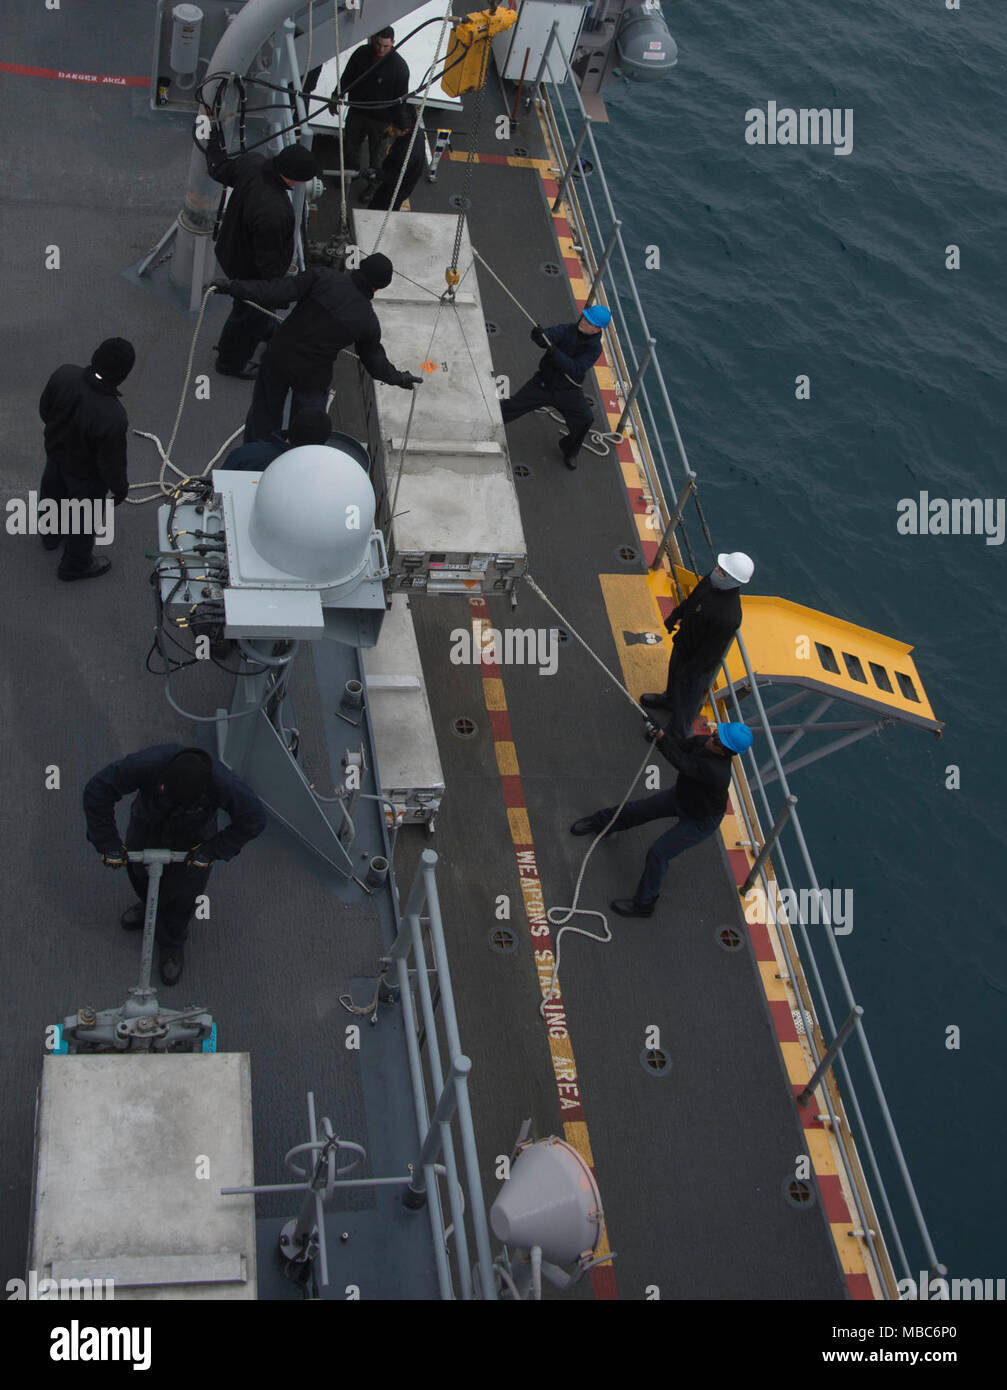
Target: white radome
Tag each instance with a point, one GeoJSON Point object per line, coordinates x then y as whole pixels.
{"type": "Point", "coordinates": [313, 514]}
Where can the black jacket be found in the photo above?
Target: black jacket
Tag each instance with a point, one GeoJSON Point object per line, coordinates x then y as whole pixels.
{"type": "Point", "coordinates": [704, 777]}
{"type": "Point", "coordinates": [385, 81]}
{"type": "Point", "coordinates": [85, 428]}
{"type": "Point", "coordinates": [390, 172]}
{"type": "Point", "coordinates": [573, 355]}
{"type": "Point", "coordinates": [256, 236]}
{"type": "Point", "coordinates": [709, 619]}
{"type": "Point", "coordinates": [161, 824]}
{"type": "Point", "coordinates": [333, 310]}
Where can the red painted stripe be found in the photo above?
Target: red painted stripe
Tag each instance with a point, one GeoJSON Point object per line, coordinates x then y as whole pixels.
{"type": "Point", "coordinates": [759, 933]}
{"type": "Point", "coordinates": [859, 1286]}
{"type": "Point", "coordinates": [551, 187]}
{"type": "Point", "coordinates": [573, 267]}
{"type": "Point", "coordinates": [69, 75]}
{"type": "Point", "coordinates": [624, 452]}
{"type": "Point", "coordinates": [513, 791]}
{"type": "Point", "coordinates": [737, 858]}
{"type": "Point", "coordinates": [783, 1020]}
{"type": "Point", "coordinates": [500, 724]}
{"type": "Point", "coordinates": [832, 1197]}
{"type": "Point", "coordinates": [603, 1281]}
{"type": "Point", "coordinates": [562, 226]}
{"type": "Point", "coordinates": [490, 669]}
{"type": "Point", "coordinates": [494, 159]}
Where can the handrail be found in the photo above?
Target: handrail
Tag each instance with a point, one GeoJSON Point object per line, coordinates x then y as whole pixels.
{"type": "Point", "coordinates": [636, 365]}
{"type": "Point", "coordinates": [451, 1098]}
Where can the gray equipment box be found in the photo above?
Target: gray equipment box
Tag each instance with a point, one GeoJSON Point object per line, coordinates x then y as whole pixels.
{"type": "Point", "coordinates": [404, 739]}
{"type": "Point", "coordinates": [119, 1191]}
{"type": "Point", "coordinates": [457, 526]}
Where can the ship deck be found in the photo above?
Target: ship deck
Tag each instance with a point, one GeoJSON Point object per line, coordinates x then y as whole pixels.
{"type": "Point", "coordinates": [692, 1162]}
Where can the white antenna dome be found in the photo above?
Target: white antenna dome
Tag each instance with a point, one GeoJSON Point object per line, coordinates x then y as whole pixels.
{"type": "Point", "coordinates": [313, 514]}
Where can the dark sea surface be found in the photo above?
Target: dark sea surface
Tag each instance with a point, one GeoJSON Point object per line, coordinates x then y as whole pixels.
{"type": "Point", "coordinates": [777, 261]}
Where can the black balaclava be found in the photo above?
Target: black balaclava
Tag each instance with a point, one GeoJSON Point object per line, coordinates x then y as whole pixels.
{"type": "Point", "coordinates": [113, 360]}
{"type": "Point", "coordinates": [188, 776]}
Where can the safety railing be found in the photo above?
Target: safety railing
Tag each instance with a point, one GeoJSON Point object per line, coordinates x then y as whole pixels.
{"type": "Point", "coordinates": [647, 404]}
{"type": "Point", "coordinates": [449, 1093]}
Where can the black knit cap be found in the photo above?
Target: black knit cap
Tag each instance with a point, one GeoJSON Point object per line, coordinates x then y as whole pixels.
{"type": "Point", "coordinates": [377, 271]}
{"type": "Point", "coordinates": [188, 776]}
{"type": "Point", "coordinates": [297, 164]}
{"type": "Point", "coordinates": [309, 427]}
{"type": "Point", "coordinates": [113, 360]}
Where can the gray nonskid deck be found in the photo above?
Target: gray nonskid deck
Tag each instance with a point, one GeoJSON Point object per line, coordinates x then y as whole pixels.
{"type": "Point", "coordinates": [690, 1164]}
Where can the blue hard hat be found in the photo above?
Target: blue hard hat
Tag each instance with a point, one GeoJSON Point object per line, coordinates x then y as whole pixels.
{"type": "Point", "coordinates": [598, 315]}
{"type": "Point", "coordinates": [737, 737]}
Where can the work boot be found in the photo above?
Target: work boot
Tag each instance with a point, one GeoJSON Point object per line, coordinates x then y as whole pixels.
{"type": "Point", "coordinates": [568, 459]}
{"type": "Point", "coordinates": [245, 373]}
{"type": "Point", "coordinates": [169, 964]}
{"type": "Point", "coordinates": [132, 918]}
{"type": "Point", "coordinates": [589, 825]}
{"type": "Point", "coordinates": [94, 569]}
{"type": "Point", "coordinates": [629, 907]}
{"type": "Point", "coordinates": [655, 702]}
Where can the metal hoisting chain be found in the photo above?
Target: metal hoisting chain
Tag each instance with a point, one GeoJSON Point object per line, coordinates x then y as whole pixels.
{"type": "Point", "coordinates": [451, 274]}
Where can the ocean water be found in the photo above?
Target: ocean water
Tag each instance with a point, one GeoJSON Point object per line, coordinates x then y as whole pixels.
{"type": "Point", "coordinates": [783, 260]}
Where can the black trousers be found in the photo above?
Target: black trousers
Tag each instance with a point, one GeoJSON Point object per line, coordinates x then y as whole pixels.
{"type": "Point", "coordinates": [56, 485]}
{"type": "Point", "coordinates": [689, 831]}
{"type": "Point", "coordinates": [569, 400]}
{"type": "Point", "coordinates": [685, 691]}
{"type": "Point", "coordinates": [362, 129]}
{"type": "Point", "coordinates": [244, 330]}
{"type": "Point", "coordinates": [265, 415]}
{"type": "Point", "coordinates": [178, 890]}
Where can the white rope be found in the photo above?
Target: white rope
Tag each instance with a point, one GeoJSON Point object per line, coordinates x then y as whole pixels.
{"type": "Point", "coordinates": [164, 488]}
{"type": "Point", "coordinates": [416, 126]}
{"type": "Point", "coordinates": [343, 223]}
{"type": "Point", "coordinates": [565, 913]}
{"type": "Point", "coordinates": [562, 921]}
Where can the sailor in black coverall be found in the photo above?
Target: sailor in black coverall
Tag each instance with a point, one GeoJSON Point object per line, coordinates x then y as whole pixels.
{"type": "Point", "coordinates": [401, 130]}
{"type": "Point", "coordinates": [698, 799]}
{"type": "Point", "coordinates": [256, 237]}
{"type": "Point", "coordinates": [571, 350]}
{"type": "Point", "coordinates": [85, 445]}
{"type": "Point", "coordinates": [180, 791]}
{"type": "Point", "coordinates": [707, 621]}
{"type": "Point", "coordinates": [333, 310]}
{"type": "Point", "coordinates": [379, 78]}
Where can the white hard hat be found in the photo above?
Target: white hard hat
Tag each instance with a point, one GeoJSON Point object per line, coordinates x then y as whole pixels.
{"type": "Point", "coordinates": [738, 565]}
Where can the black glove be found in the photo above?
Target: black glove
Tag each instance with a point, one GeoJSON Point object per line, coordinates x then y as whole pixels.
{"type": "Point", "coordinates": [115, 858]}
{"type": "Point", "coordinates": [407, 381]}
{"type": "Point", "coordinates": [198, 858]}
{"type": "Point", "coordinates": [670, 622]}
{"type": "Point", "coordinates": [538, 337]}
{"type": "Point", "coordinates": [650, 731]}
{"type": "Point", "coordinates": [221, 286]}
{"type": "Point", "coordinates": [118, 498]}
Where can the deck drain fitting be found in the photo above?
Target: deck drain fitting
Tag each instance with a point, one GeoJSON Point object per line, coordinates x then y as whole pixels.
{"type": "Point", "coordinates": [627, 554]}
{"type": "Point", "coordinates": [458, 200]}
{"type": "Point", "coordinates": [522, 470]}
{"type": "Point", "coordinates": [492, 329]}
{"type": "Point", "coordinates": [464, 728]}
{"type": "Point", "coordinates": [798, 1192]}
{"type": "Point", "coordinates": [550, 268]}
{"type": "Point", "coordinates": [729, 939]}
{"type": "Point", "coordinates": [655, 1061]}
{"type": "Point", "coordinates": [503, 941]}
{"type": "Point", "coordinates": [521, 151]}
